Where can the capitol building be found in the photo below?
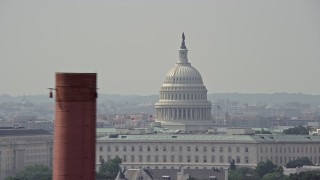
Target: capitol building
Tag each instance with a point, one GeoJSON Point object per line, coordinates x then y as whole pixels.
{"type": "Point", "coordinates": [183, 100]}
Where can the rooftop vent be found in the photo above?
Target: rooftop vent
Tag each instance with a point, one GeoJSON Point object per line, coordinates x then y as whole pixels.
{"type": "Point", "coordinates": [113, 136]}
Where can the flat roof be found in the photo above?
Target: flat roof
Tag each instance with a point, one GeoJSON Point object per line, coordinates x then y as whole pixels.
{"type": "Point", "coordinates": [177, 137]}
{"type": "Point", "coordinates": [212, 137]}
{"type": "Point", "coordinates": [23, 132]}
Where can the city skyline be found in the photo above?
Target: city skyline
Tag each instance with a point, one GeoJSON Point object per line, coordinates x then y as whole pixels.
{"type": "Point", "coordinates": [238, 46]}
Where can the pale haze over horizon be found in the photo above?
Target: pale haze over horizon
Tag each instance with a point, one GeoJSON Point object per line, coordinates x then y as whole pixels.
{"type": "Point", "coordinates": [244, 46]}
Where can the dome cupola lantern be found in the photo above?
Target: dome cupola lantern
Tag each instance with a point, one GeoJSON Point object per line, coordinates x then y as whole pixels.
{"type": "Point", "coordinates": [183, 51]}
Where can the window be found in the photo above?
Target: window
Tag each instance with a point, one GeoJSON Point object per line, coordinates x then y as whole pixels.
{"type": "Point", "coordinates": [172, 158]}
{"type": "Point", "coordinates": [148, 158]}
{"type": "Point", "coordinates": [246, 159]}
{"type": "Point", "coordinates": [124, 148]}
{"type": "Point", "coordinates": [213, 159]}
{"type": "Point", "coordinates": [229, 159]}
{"type": "Point", "coordinates": [197, 158]}
{"type": "Point", "coordinates": [140, 158]}
{"type": "Point", "coordinates": [132, 158]}
{"type": "Point", "coordinates": [212, 149]}
{"type": "Point", "coordinates": [188, 158]}
{"type": "Point", "coordinates": [101, 148]}
{"type": "Point", "coordinates": [188, 148]}
{"type": "Point", "coordinates": [229, 149]}
{"type": "Point", "coordinates": [148, 148]}
{"type": "Point", "coordinates": [156, 158]}
{"type": "Point", "coordinates": [196, 148]}
{"type": "Point", "coordinates": [204, 159]}
{"type": "Point", "coordinates": [221, 159]}
{"type": "Point", "coordinates": [204, 149]}
{"type": "Point", "coordinates": [221, 149]}
{"type": "Point", "coordinates": [164, 148]}
{"type": "Point", "coordinates": [156, 148]}
{"type": "Point", "coordinates": [180, 158]}
{"type": "Point", "coordinates": [164, 158]}
{"type": "Point", "coordinates": [140, 148]}
{"type": "Point", "coordinates": [238, 159]}
{"type": "Point", "coordinates": [132, 148]}
{"type": "Point", "coordinates": [108, 149]}
{"type": "Point", "coordinates": [172, 148]}
{"type": "Point", "coordinates": [117, 148]}
{"type": "Point", "coordinates": [238, 149]}
{"type": "Point", "coordinates": [246, 149]}
{"type": "Point", "coordinates": [124, 158]}
{"type": "Point", "coordinates": [180, 148]}
{"type": "Point", "coordinates": [266, 149]}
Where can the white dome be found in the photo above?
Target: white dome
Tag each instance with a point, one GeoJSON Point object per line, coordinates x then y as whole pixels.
{"type": "Point", "coordinates": [183, 74]}
{"type": "Point", "coordinates": [183, 95]}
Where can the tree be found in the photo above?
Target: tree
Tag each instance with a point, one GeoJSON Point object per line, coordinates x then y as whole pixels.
{"type": "Point", "coordinates": [109, 169]}
{"type": "Point", "coordinates": [298, 162]}
{"type": "Point", "coordinates": [273, 176]}
{"type": "Point", "coordinates": [243, 173]}
{"type": "Point", "coordinates": [39, 172]}
{"type": "Point", "coordinates": [267, 167]}
{"type": "Point", "coordinates": [299, 130]}
{"type": "Point", "coordinates": [232, 165]}
{"type": "Point", "coordinates": [305, 176]}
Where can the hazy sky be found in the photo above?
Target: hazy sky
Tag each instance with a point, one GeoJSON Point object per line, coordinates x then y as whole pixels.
{"type": "Point", "coordinates": [245, 46]}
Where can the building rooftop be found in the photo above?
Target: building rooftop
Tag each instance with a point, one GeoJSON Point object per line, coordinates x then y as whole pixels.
{"type": "Point", "coordinates": [214, 137]}
{"type": "Point", "coordinates": [23, 132]}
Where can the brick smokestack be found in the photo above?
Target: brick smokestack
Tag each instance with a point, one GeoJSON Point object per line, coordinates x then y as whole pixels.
{"type": "Point", "coordinates": [75, 126]}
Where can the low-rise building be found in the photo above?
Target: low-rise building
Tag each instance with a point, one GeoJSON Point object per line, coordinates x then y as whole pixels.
{"type": "Point", "coordinates": [21, 147]}
{"type": "Point", "coordinates": [200, 151]}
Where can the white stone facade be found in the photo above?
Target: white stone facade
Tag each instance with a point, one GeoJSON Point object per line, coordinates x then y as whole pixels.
{"type": "Point", "coordinates": [17, 152]}
{"type": "Point", "coordinates": [205, 151]}
{"type": "Point", "coordinates": [183, 95]}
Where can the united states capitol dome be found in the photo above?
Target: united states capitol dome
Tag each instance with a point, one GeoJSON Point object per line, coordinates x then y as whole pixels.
{"type": "Point", "coordinates": [183, 74]}
{"type": "Point", "coordinates": [183, 95]}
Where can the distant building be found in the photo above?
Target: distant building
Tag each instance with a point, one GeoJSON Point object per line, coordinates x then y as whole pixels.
{"type": "Point", "coordinates": [172, 174]}
{"type": "Point", "coordinates": [21, 147]}
{"type": "Point", "coordinates": [183, 96]}
{"type": "Point", "coordinates": [201, 151]}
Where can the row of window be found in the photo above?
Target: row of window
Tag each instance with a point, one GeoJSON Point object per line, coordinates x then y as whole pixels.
{"type": "Point", "coordinates": [183, 79]}
{"type": "Point", "coordinates": [175, 96]}
{"type": "Point", "coordinates": [180, 158]}
{"type": "Point", "coordinates": [173, 148]}
{"type": "Point", "coordinates": [291, 149]}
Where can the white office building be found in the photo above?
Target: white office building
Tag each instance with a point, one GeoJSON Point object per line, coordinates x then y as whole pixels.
{"type": "Point", "coordinates": [21, 148]}
{"type": "Point", "coordinates": [173, 151]}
